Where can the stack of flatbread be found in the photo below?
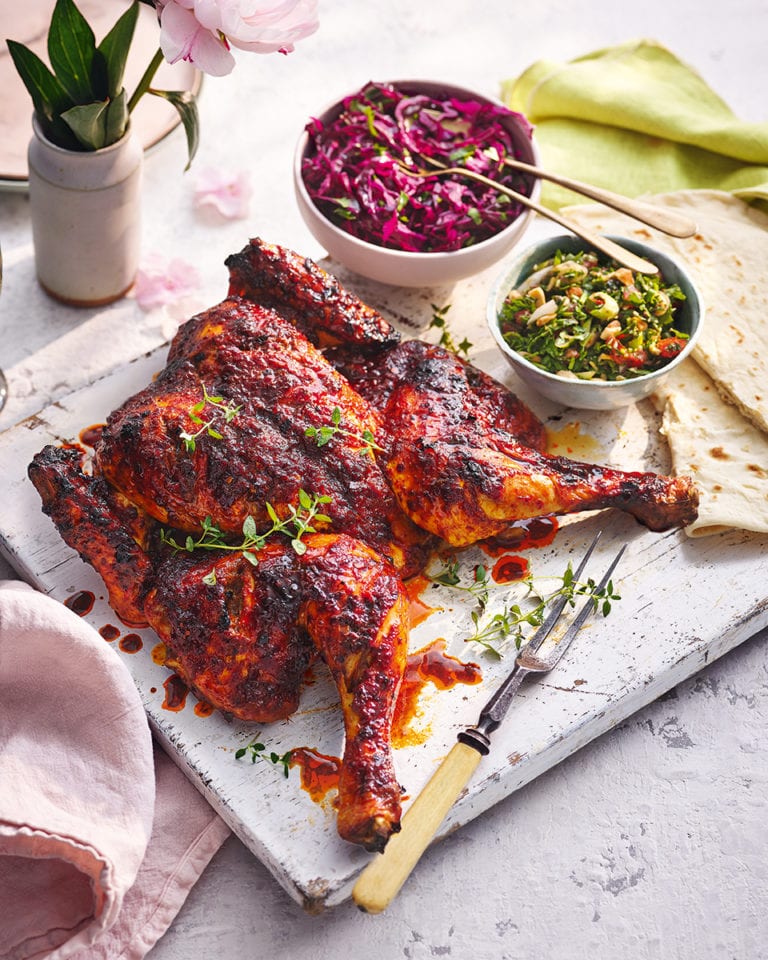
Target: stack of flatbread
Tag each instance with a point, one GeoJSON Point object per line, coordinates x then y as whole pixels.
{"type": "Point", "coordinates": [715, 405]}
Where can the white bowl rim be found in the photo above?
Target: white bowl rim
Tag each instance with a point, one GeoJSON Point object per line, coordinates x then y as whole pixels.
{"type": "Point", "coordinates": [637, 246]}
{"type": "Point", "coordinates": [392, 252]}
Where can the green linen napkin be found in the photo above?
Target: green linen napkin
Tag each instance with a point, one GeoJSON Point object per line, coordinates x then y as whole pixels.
{"type": "Point", "coordinates": [635, 119]}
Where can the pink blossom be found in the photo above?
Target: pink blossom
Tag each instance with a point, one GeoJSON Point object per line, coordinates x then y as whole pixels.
{"type": "Point", "coordinates": [227, 190]}
{"type": "Point", "coordinates": [161, 283]}
{"type": "Point", "coordinates": [202, 31]}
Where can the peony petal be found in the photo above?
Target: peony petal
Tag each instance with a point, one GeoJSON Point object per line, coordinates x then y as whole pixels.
{"type": "Point", "coordinates": [227, 191]}
{"type": "Point", "coordinates": [161, 284]}
{"type": "Point", "coordinates": [183, 38]}
{"type": "Point", "coordinates": [261, 26]}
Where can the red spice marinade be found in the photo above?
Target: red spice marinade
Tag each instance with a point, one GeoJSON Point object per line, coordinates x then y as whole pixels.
{"type": "Point", "coordinates": [431, 664]}
{"type": "Point", "coordinates": [319, 773]}
{"type": "Point", "coordinates": [525, 534]}
{"type": "Point", "coordinates": [81, 603]}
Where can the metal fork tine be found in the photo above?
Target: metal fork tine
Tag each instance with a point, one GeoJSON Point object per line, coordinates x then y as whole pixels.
{"type": "Point", "coordinates": [496, 708]}
{"type": "Point", "coordinates": [382, 879]}
{"type": "Point", "coordinates": [553, 616]}
{"type": "Point", "coordinates": [526, 659]}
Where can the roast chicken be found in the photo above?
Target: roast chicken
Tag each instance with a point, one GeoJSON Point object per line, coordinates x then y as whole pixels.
{"type": "Point", "coordinates": [265, 497]}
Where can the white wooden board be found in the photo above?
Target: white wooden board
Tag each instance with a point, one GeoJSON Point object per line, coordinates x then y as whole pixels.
{"type": "Point", "coordinates": [683, 604]}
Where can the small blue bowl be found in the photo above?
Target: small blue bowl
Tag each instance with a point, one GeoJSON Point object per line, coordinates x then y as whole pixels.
{"type": "Point", "coordinates": [594, 394]}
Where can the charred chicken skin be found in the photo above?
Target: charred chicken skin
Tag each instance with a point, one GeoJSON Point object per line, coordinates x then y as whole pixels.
{"type": "Point", "coordinates": [292, 387]}
{"type": "Point", "coordinates": [464, 457]}
{"type": "Point", "coordinates": [242, 636]}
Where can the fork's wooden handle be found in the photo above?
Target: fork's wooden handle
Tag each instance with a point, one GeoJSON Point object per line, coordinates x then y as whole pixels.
{"type": "Point", "coordinates": [381, 880]}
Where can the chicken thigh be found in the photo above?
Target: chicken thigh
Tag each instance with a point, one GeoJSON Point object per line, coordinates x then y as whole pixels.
{"type": "Point", "coordinates": [464, 457]}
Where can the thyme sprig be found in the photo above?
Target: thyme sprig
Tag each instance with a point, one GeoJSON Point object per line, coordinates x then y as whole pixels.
{"type": "Point", "coordinates": [326, 433]}
{"type": "Point", "coordinates": [439, 322]}
{"type": "Point", "coordinates": [479, 587]}
{"type": "Point", "coordinates": [300, 520]}
{"type": "Point", "coordinates": [221, 408]}
{"type": "Point", "coordinates": [258, 751]}
{"type": "Point", "coordinates": [511, 621]}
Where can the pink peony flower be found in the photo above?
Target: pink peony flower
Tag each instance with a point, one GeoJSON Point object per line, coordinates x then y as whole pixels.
{"type": "Point", "coordinates": [161, 284]}
{"type": "Point", "coordinates": [227, 190]}
{"type": "Point", "coordinates": [202, 31]}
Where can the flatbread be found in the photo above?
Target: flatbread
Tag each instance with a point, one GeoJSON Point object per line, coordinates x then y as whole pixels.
{"type": "Point", "coordinates": [728, 261]}
{"type": "Point", "coordinates": [725, 453]}
{"type": "Point", "coordinates": [715, 411]}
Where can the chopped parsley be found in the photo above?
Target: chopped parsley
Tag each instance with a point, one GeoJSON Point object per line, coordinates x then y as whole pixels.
{"type": "Point", "coordinates": [579, 315]}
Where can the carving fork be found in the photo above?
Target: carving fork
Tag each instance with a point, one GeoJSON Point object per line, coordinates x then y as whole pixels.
{"type": "Point", "coordinates": [381, 880]}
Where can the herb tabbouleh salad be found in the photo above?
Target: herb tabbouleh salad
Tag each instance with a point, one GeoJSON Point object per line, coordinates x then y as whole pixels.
{"type": "Point", "coordinates": [578, 315]}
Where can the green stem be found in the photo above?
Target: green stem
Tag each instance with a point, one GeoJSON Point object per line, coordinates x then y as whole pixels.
{"type": "Point", "coordinates": [146, 80]}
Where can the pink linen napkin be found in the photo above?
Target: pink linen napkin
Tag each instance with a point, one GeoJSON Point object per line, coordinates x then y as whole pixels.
{"type": "Point", "coordinates": [101, 838]}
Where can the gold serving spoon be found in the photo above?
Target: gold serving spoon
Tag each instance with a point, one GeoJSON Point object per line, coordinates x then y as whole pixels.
{"type": "Point", "coordinates": [596, 240]}
{"type": "Point", "coordinates": [669, 222]}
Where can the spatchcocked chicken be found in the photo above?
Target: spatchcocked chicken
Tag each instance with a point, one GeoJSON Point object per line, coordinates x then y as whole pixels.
{"type": "Point", "coordinates": [266, 495]}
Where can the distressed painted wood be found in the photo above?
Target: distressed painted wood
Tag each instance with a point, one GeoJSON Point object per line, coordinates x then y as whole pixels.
{"type": "Point", "coordinates": [683, 604]}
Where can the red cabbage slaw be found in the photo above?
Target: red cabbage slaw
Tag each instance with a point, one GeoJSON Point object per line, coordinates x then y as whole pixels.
{"type": "Point", "coordinates": [351, 169]}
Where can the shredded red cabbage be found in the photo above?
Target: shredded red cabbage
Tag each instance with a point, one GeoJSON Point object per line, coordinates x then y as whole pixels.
{"type": "Point", "coordinates": [351, 171]}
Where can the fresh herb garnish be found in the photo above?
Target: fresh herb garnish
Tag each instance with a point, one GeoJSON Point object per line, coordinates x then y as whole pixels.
{"type": "Point", "coordinates": [221, 409]}
{"type": "Point", "coordinates": [510, 622]}
{"type": "Point", "coordinates": [258, 751]}
{"type": "Point", "coordinates": [479, 587]}
{"type": "Point", "coordinates": [299, 521]}
{"type": "Point", "coordinates": [326, 433]}
{"type": "Point", "coordinates": [446, 340]}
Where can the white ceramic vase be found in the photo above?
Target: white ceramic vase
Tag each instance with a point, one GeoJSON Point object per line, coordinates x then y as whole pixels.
{"type": "Point", "coordinates": [86, 218]}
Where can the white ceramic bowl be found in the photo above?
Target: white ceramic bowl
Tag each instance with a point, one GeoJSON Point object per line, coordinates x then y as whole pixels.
{"type": "Point", "coordinates": [404, 268]}
{"type": "Point", "coordinates": [594, 394]}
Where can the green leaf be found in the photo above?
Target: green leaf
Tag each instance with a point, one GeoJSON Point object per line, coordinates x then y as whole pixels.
{"type": "Point", "coordinates": [117, 117]}
{"type": "Point", "coordinates": [271, 513]}
{"type": "Point", "coordinates": [49, 98]}
{"type": "Point", "coordinates": [239, 754]}
{"type": "Point", "coordinates": [305, 500]}
{"type": "Point", "coordinates": [299, 547]}
{"type": "Point", "coordinates": [186, 107]}
{"type": "Point", "coordinates": [71, 50]}
{"type": "Point", "coordinates": [88, 122]}
{"type": "Point", "coordinates": [251, 558]}
{"type": "Point", "coordinates": [210, 578]}
{"type": "Point", "coordinates": [115, 47]}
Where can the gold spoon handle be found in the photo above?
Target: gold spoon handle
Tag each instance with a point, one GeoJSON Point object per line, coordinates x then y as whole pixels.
{"type": "Point", "coordinates": [596, 240]}
{"type": "Point", "coordinates": [381, 880]}
{"type": "Point", "coordinates": [667, 221]}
